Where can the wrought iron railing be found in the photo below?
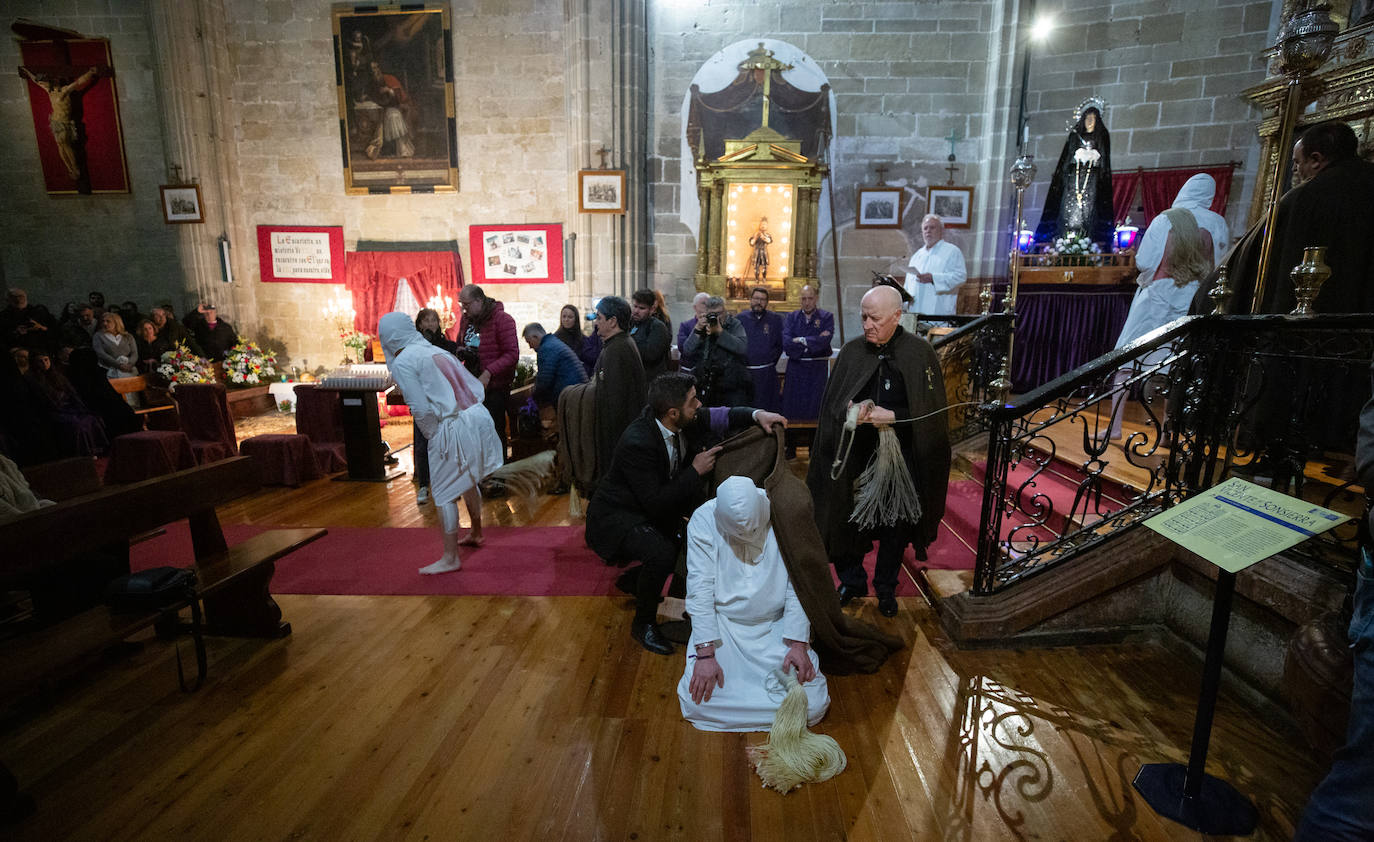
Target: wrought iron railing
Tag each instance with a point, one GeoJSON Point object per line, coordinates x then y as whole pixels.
{"type": "Point", "coordinates": [970, 358]}
{"type": "Point", "coordinates": [1274, 399]}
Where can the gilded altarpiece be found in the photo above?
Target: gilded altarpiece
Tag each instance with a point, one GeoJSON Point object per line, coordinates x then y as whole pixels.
{"type": "Point", "coordinates": [759, 194]}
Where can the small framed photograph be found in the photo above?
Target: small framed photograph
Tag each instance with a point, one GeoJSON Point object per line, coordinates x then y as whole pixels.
{"type": "Point", "coordinates": [181, 204]}
{"type": "Point", "coordinates": [954, 205]}
{"type": "Point", "coordinates": [601, 191]}
{"type": "Point", "coordinates": [879, 207]}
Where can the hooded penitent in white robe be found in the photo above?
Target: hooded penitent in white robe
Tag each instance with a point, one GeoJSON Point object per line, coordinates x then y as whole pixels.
{"type": "Point", "coordinates": [740, 598]}
{"type": "Point", "coordinates": [945, 263]}
{"type": "Point", "coordinates": [1195, 195]}
{"type": "Point", "coordinates": [446, 403]}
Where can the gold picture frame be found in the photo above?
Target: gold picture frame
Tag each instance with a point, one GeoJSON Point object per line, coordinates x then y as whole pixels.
{"type": "Point", "coordinates": [601, 191]}
{"type": "Point", "coordinates": [394, 79]}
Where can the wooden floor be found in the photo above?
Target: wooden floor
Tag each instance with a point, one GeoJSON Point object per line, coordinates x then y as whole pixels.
{"type": "Point", "coordinates": [539, 718]}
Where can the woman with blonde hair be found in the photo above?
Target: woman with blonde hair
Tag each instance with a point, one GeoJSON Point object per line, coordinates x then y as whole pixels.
{"type": "Point", "coordinates": [115, 347]}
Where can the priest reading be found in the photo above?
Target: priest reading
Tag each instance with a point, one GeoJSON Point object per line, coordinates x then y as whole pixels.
{"type": "Point", "coordinates": [746, 619]}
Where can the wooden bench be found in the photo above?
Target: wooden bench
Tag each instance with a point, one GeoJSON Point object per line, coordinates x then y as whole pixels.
{"type": "Point", "coordinates": [152, 401]}
{"type": "Point", "coordinates": [232, 582]}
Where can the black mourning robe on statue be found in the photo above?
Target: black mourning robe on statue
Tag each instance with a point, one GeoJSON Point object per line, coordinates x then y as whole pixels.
{"type": "Point", "coordinates": [926, 447]}
{"type": "Point", "coordinates": [1097, 180]}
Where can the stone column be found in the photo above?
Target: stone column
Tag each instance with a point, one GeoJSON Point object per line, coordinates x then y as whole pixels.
{"type": "Point", "coordinates": [192, 71]}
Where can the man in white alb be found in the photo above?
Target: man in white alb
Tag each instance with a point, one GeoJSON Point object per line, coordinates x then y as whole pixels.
{"type": "Point", "coordinates": [935, 272]}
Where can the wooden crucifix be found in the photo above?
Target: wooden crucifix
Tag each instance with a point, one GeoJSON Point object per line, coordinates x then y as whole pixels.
{"type": "Point", "coordinates": [761, 61]}
{"type": "Point", "coordinates": [881, 170]}
{"type": "Point", "coordinates": [602, 153]}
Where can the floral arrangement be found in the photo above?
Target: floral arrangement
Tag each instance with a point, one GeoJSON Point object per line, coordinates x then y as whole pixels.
{"type": "Point", "coordinates": [355, 341]}
{"type": "Point", "coordinates": [179, 365]}
{"type": "Point", "coordinates": [248, 365]}
{"type": "Point", "coordinates": [524, 372]}
{"type": "Point", "coordinates": [1074, 243]}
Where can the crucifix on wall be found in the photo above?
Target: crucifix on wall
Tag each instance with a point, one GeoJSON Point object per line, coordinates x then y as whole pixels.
{"type": "Point", "coordinates": [952, 169]}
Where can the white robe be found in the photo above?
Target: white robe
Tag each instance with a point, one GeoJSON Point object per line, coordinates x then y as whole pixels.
{"type": "Point", "coordinates": [446, 402]}
{"type": "Point", "coordinates": [1195, 195]}
{"type": "Point", "coordinates": [945, 263]}
{"type": "Point", "coordinates": [746, 610]}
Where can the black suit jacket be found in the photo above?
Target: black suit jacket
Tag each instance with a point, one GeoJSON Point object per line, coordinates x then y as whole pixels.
{"type": "Point", "coordinates": [640, 486]}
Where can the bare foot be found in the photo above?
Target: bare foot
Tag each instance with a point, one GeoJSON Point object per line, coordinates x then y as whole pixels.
{"type": "Point", "coordinates": [471, 540]}
{"type": "Point", "coordinates": [444, 565]}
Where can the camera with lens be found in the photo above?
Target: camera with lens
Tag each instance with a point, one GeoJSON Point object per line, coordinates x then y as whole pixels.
{"type": "Point", "coordinates": [712, 318]}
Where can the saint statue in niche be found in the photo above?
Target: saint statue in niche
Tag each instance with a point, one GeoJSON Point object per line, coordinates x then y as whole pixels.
{"type": "Point", "coordinates": [1080, 195]}
{"type": "Point", "coordinates": [758, 258]}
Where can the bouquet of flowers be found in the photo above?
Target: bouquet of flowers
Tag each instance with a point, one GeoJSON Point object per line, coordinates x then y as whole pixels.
{"type": "Point", "coordinates": [355, 341]}
{"type": "Point", "coordinates": [248, 365]}
{"type": "Point", "coordinates": [179, 365]}
{"type": "Point", "coordinates": [1075, 243]}
{"type": "Point", "coordinates": [524, 372]}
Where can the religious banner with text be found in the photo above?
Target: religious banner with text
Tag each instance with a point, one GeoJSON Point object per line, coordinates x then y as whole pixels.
{"type": "Point", "coordinates": [308, 254]}
{"type": "Point", "coordinates": [75, 108]}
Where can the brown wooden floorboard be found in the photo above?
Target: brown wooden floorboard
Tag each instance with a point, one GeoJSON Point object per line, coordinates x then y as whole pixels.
{"type": "Point", "coordinates": [539, 718]}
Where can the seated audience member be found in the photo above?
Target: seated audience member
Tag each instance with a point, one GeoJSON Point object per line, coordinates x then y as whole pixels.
{"type": "Point", "coordinates": [26, 424]}
{"type": "Point", "coordinates": [92, 384]}
{"type": "Point", "coordinates": [654, 483]}
{"type": "Point", "coordinates": [78, 330]}
{"type": "Point", "coordinates": [151, 347]}
{"type": "Point", "coordinates": [21, 359]}
{"type": "Point", "coordinates": [80, 431]}
{"type": "Point", "coordinates": [746, 619]}
{"type": "Point", "coordinates": [130, 312]}
{"type": "Point", "coordinates": [24, 325]}
{"type": "Point", "coordinates": [429, 325]}
{"type": "Point", "coordinates": [556, 366]}
{"type": "Point", "coordinates": [569, 332]}
{"type": "Point", "coordinates": [214, 335]}
{"type": "Point", "coordinates": [173, 332]}
{"type": "Point", "coordinates": [97, 301]}
{"type": "Point", "coordinates": [115, 347]}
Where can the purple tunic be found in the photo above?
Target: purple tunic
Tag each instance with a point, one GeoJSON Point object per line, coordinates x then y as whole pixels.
{"type": "Point", "coordinates": [684, 330]}
{"type": "Point", "coordinates": [765, 348]}
{"type": "Point", "coordinates": [808, 364]}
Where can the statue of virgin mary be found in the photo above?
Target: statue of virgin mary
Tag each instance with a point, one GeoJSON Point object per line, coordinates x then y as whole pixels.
{"type": "Point", "coordinates": [1080, 197]}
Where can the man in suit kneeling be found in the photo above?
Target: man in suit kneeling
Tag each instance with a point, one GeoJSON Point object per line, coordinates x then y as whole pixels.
{"type": "Point", "coordinates": [654, 484]}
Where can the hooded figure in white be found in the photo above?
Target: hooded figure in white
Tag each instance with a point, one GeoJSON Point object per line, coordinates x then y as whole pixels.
{"type": "Point", "coordinates": [1179, 249]}
{"type": "Point", "coordinates": [746, 620]}
{"type": "Point", "coordinates": [446, 403]}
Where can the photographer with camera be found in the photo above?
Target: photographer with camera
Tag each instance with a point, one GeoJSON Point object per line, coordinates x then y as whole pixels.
{"type": "Point", "coordinates": [721, 345]}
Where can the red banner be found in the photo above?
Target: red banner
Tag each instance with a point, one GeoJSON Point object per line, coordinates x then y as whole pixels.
{"type": "Point", "coordinates": [301, 254]}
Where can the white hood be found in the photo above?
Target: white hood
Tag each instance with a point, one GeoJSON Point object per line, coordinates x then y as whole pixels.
{"type": "Point", "coordinates": [742, 516]}
{"type": "Point", "coordinates": [1197, 193]}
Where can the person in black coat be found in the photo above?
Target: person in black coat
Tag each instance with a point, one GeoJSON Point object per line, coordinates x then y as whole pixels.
{"type": "Point", "coordinates": [640, 507]}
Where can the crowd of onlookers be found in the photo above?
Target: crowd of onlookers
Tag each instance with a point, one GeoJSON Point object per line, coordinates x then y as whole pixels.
{"type": "Point", "coordinates": [55, 396]}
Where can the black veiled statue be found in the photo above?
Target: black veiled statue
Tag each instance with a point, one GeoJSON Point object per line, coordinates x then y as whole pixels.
{"type": "Point", "coordinates": [1080, 197]}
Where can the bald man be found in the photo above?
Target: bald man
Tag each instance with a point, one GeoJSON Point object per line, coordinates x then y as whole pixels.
{"type": "Point", "coordinates": [900, 374]}
{"type": "Point", "coordinates": [806, 336]}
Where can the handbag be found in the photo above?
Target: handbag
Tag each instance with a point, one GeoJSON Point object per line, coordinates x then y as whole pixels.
{"type": "Point", "coordinates": [162, 589]}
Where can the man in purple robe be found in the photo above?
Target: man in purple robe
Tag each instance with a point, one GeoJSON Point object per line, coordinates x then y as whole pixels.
{"type": "Point", "coordinates": [806, 335]}
{"type": "Point", "coordinates": [764, 329]}
{"type": "Point", "coordinates": [687, 362]}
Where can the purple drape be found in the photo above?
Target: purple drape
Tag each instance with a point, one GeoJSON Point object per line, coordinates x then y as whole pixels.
{"type": "Point", "coordinates": [1059, 328]}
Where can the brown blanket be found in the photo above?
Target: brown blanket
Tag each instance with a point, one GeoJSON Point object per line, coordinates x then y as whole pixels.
{"type": "Point", "coordinates": [845, 644]}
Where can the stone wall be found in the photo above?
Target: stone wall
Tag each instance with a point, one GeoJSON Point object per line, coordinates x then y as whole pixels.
{"type": "Point", "coordinates": [60, 248]}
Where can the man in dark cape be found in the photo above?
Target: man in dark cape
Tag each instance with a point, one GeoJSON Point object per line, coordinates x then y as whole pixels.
{"type": "Point", "coordinates": [901, 374]}
{"type": "Point", "coordinates": [619, 378]}
{"type": "Point", "coordinates": [1333, 207]}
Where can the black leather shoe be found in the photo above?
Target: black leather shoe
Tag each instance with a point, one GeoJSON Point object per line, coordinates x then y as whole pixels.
{"type": "Point", "coordinates": [887, 605]}
{"type": "Point", "coordinates": [648, 637]}
{"type": "Point", "coordinates": [848, 594]}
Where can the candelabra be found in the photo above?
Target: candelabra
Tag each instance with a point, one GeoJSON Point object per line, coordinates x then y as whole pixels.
{"type": "Point", "coordinates": [443, 305]}
{"type": "Point", "coordinates": [339, 312]}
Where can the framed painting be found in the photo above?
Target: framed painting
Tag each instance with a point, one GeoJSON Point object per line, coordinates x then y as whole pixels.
{"type": "Point", "coordinates": [394, 74]}
{"type": "Point", "coordinates": [879, 207]}
{"type": "Point", "coordinates": [516, 254]}
{"type": "Point", "coordinates": [309, 254]}
{"type": "Point", "coordinates": [954, 205]}
{"type": "Point", "coordinates": [181, 204]}
{"type": "Point", "coordinates": [75, 109]}
{"type": "Point", "coordinates": [601, 191]}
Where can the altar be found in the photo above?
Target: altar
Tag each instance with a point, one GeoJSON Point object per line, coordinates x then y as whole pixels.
{"type": "Point", "coordinates": [1069, 311]}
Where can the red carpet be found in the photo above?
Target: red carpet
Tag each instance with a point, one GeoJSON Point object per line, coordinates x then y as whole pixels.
{"type": "Point", "coordinates": [516, 561]}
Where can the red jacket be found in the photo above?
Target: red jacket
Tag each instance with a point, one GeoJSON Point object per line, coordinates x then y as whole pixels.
{"type": "Point", "coordinates": [496, 343]}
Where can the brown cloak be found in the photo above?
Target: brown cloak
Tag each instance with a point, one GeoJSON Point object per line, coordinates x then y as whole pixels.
{"type": "Point", "coordinates": [844, 644]}
{"type": "Point", "coordinates": [929, 458]}
{"type": "Point", "coordinates": [621, 391]}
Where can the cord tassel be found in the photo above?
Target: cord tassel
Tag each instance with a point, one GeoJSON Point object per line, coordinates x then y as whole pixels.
{"type": "Point", "coordinates": [793, 755]}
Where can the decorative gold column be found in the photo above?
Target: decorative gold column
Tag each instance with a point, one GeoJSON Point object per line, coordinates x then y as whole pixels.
{"type": "Point", "coordinates": [704, 197]}
{"type": "Point", "coordinates": [1304, 45]}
